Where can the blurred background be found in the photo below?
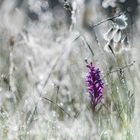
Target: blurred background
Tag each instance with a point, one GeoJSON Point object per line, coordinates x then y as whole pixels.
{"type": "Point", "coordinates": [43, 48]}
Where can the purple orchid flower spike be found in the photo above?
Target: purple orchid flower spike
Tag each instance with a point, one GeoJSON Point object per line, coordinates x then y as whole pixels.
{"type": "Point", "coordinates": [94, 84]}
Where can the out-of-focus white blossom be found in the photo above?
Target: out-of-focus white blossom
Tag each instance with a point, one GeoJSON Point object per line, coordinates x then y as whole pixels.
{"type": "Point", "coordinates": [114, 35]}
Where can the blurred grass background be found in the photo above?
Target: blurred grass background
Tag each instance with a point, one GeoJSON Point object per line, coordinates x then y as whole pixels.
{"type": "Point", "coordinates": [43, 47]}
